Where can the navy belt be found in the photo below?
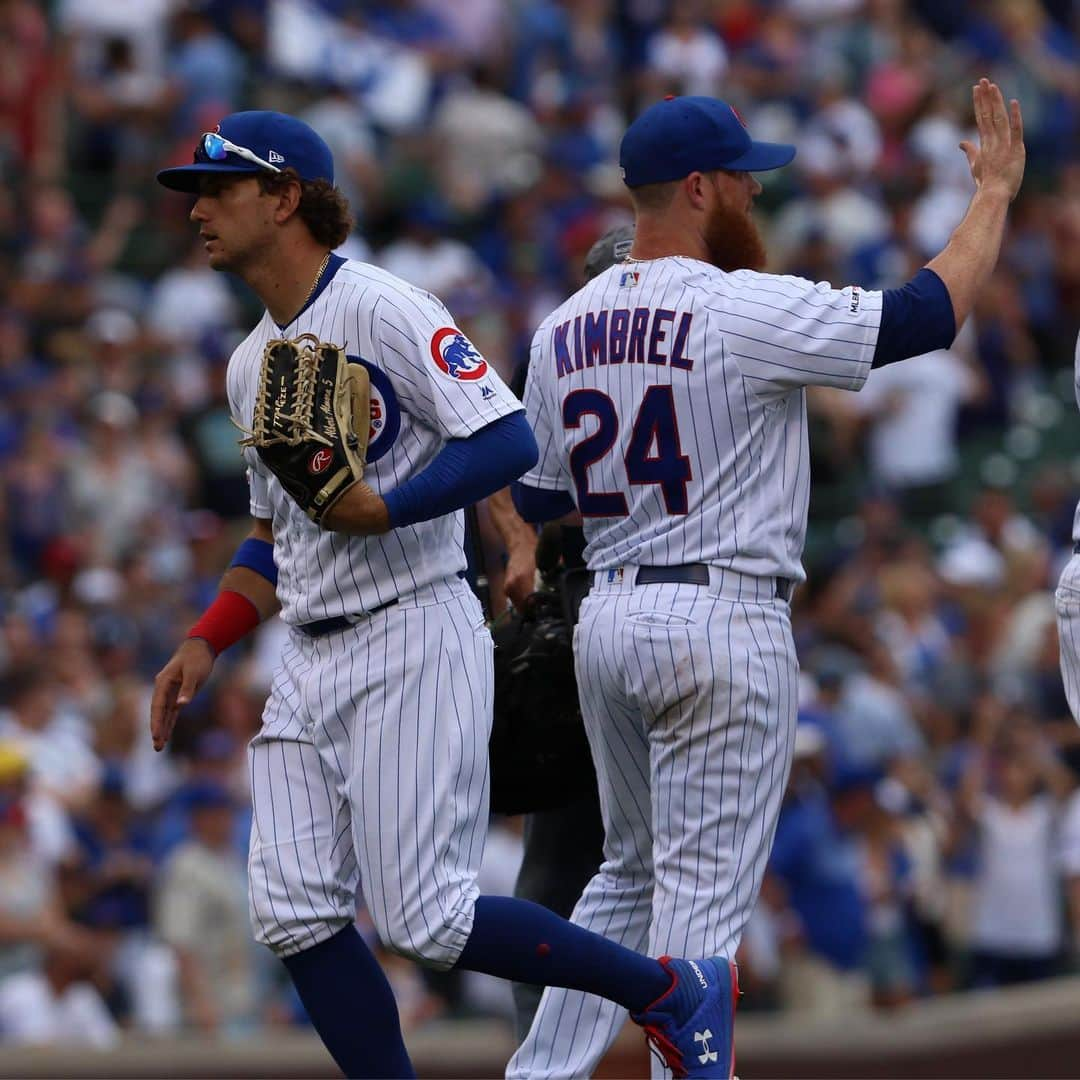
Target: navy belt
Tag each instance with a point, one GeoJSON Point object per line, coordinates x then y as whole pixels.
{"type": "Point", "coordinates": [339, 622]}
{"type": "Point", "coordinates": [1076, 548]}
{"type": "Point", "coordinates": [695, 574]}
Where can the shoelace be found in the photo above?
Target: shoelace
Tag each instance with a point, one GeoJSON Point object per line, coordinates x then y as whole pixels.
{"type": "Point", "coordinates": [664, 1049]}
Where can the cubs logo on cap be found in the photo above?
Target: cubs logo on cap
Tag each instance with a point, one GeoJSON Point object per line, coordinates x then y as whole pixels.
{"type": "Point", "coordinates": [455, 355]}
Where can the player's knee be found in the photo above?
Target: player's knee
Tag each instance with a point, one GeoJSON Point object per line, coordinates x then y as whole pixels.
{"type": "Point", "coordinates": [433, 937]}
{"type": "Point", "coordinates": [285, 931]}
{"type": "Point", "coordinates": [289, 936]}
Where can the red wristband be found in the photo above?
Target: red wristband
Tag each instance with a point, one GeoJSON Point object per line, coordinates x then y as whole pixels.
{"type": "Point", "coordinates": [226, 621]}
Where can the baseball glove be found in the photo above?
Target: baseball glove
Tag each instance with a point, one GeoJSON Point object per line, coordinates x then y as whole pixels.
{"type": "Point", "coordinates": [312, 420]}
{"type": "Point", "coordinates": [539, 754]}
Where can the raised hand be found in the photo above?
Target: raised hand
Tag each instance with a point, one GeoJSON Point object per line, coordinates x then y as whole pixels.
{"type": "Point", "coordinates": [998, 160]}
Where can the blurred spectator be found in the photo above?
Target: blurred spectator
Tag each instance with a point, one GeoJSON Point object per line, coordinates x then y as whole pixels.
{"type": "Point", "coordinates": [46, 962]}
{"type": "Point", "coordinates": [111, 485]}
{"type": "Point", "coordinates": [686, 56]}
{"type": "Point", "coordinates": [912, 410]}
{"type": "Point", "coordinates": [1012, 800]}
{"type": "Point", "coordinates": [108, 883]}
{"type": "Point", "coordinates": [202, 912]}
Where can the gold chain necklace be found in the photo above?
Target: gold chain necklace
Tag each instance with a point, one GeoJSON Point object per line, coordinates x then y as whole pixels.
{"type": "Point", "coordinates": [318, 278]}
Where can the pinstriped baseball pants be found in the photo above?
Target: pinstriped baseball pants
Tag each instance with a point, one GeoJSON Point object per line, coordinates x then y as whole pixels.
{"type": "Point", "coordinates": [1067, 609]}
{"type": "Point", "coordinates": [370, 772]}
{"type": "Point", "coordinates": [689, 698]}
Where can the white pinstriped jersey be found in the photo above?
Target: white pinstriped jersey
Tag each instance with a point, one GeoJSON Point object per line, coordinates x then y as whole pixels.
{"type": "Point", "coordinates": [668, 397]}
{"type": "Point", "coordinates": [428, 384]}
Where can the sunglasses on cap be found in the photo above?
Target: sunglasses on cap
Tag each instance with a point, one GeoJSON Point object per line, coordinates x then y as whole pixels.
{"type": "Point", "coordinates": [217, 148]}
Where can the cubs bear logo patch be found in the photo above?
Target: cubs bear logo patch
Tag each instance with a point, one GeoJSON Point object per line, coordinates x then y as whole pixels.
{"type": "Point", "coordinates": [456, 356]}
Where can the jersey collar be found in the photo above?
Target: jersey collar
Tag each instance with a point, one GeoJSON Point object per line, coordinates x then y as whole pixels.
{"type": "Point", "coordinates": [334, 264]}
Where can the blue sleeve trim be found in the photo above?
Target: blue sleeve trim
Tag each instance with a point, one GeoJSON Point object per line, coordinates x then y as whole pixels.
{"type": "Point", "coordinates": [538, 504]}
{"type": "Point", "coordinates": [915, 319]}
{"type": "Point", "coordinates": [257, 555]}
{"type": "Point", "coordinates": [465, 471]}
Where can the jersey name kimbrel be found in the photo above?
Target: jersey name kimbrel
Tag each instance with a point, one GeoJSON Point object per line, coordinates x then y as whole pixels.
{"type": "Point", "coordinates": [669, 398]}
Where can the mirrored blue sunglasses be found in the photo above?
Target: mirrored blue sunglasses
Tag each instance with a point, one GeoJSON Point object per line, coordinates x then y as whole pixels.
{"type": "Point", "coordinates": [217, 148]}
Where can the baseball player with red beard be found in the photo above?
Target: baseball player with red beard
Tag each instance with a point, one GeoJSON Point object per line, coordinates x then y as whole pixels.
{"type": "Point", "coordinates": [668, 399]}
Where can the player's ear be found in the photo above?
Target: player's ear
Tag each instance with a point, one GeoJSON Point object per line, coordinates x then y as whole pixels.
{"type": "Point", "coordinates": [288, 199]}
{"type": "Point", "coordinates": [695, 186]}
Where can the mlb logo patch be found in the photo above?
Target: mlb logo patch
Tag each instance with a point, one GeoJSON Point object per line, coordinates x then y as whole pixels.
{"type": "Point", "coordinates": [628, 278]}
{"type": "Point", "coordinates": [615, 577]}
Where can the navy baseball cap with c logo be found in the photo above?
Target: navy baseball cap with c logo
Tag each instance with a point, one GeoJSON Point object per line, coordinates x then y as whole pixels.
{"type": "Point", "coordinates": [681, 135]}
{"type": "Point", "coordinates": [254, 142]}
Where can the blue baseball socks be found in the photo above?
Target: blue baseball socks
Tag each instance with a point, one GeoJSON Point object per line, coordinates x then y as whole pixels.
{"type": "Point", "coordinates": [522, 941]}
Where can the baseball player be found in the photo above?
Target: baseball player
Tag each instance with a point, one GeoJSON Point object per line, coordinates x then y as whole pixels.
{"type": "Point", "coordinates": [668, 398]}
{"type": "Point", "coordinates": [1067, 597]}
{"type": "Point", "coordinates": [370, 769]}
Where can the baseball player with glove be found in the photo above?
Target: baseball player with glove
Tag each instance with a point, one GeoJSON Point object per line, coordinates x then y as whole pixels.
{"type": "Point", "coordinates": [668, 400]}
{"type": "Point", "coordinates": [369, 421]}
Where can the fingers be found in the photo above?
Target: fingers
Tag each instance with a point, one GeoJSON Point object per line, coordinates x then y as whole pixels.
{"type": "Point", "coordinates": [188, 687]}
{"type": "Point", "coordinates": [999, 116]}
{"type": "Point", "coordinates": [163, 709]}
{"type": "Point", "coordinates": [1016, 122]}
{"type": "Point", "coordinates": [970, 152]}
{"type": "Point", "coordinates": [981, 104]}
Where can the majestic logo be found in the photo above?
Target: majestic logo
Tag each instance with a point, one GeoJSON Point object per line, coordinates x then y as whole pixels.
{"type": "Point", "coordinates": [455, 355]}
{"type": "Point", "coordinates": [320, 461]}
{"type": "Point", "coordinates": [487, 392]}
{"type": "Point", "coordinates": [275, 158]}
{"type": "Point", "coordinates": [706, 1056]}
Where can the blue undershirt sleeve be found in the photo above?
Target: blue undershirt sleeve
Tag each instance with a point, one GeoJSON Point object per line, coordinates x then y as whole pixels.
{"type": "Point", "coordinates": [465, 470]}
{"type": "Point", "coordinates": [539, 504]}
{"type": "Point", "coordinates": [915, 319]}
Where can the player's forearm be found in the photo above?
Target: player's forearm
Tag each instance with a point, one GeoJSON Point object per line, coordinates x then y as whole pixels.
{"type": "Point", "coordinates": [247, 596]}
{"type": "Point", "coordinates": [969, 258]}
{"type": "Point", "coordinates": [513, 530]}
{"type": "Point", "coordinates": [261, 594]}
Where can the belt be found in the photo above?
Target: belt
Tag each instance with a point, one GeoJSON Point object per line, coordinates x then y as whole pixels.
{"type": "Point", "coordinates": [1076, 548]}
{"type": "Point", "coordinates": [697, 574]}
{"type": "Point", "coordinates": [339, 622]}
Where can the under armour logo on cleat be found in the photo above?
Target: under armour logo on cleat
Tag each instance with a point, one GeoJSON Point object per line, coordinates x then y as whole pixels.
{"type": "Point", "coordinates": [707, 1056]}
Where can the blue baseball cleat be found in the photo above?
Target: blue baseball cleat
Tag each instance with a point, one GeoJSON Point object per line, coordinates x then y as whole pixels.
{"type": "Point", "coordinates": [692, 1026]}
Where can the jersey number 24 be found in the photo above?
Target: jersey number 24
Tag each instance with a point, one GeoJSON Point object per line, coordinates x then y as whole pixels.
{"type": "Point", "coordinates": [653, 454]}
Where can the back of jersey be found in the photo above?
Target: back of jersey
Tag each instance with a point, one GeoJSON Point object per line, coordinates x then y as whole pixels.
{"type": "Point", "coordinates": [666, 396]}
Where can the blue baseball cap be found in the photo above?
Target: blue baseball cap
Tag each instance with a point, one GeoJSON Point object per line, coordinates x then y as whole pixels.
{"type": "Point", "coordinates": [272, 138]}
{"type": "Point", "coordinates": [681, 135]}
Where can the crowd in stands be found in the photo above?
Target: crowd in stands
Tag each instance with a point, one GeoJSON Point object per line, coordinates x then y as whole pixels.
{"type": "Point", "coordinates": [930, 839]}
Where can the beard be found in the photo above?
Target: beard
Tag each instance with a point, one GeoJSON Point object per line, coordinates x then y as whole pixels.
{"type": "Point", "coordinates": [733, 240]}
